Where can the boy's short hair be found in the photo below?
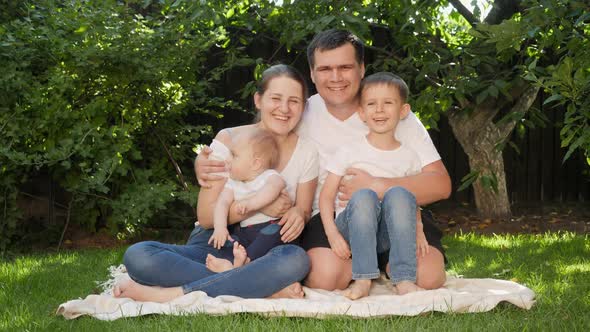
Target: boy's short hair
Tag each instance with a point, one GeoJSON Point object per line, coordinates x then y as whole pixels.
{"type": "Point", "coordinates": [334, 38]}
{"type": "Point", "coordinates": [265, 146]}
{"type": "Point", "coordinates": [386, 78]}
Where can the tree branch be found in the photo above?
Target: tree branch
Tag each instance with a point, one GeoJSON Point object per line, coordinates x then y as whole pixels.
{"type": "Point", "coordinates": [523, 104]}
{"type": "Point", "coordinates": [467, 15]}
{"type": "Point", "coordinates": [501, 10]}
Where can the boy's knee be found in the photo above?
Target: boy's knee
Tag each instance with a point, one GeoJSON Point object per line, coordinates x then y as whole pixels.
{"type": "Point", "coordinates": [399, 195]}
{"type": "Point", "coordinates": [364, 198]}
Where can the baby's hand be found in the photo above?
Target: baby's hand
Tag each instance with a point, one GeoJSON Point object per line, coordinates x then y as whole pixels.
{"type": "Point", "coordinates": [243, 206]}
{"type": "Point", "coordinates": [219, 237]}
{"type": "Point", "coordinates": [422, 247]}
{"type": "Point", "coordinates": [339, 246]}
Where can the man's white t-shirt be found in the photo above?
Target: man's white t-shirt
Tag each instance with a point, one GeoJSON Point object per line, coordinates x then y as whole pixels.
{"type": "Point", "coordinates": [328, 134]}
{"type": "Point", "coordinates": [400, 162]}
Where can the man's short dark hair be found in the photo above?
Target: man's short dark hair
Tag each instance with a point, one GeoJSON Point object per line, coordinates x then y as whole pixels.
{"type": "Point", "coordinates": [334, 38]}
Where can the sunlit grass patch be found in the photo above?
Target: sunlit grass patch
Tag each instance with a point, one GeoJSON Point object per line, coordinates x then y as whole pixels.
{"type": "Point", "coordinates": [555, 265]}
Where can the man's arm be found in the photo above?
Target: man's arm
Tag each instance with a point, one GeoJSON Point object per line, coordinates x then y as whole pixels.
{"type": "Point", "coordinates": [432, 184]}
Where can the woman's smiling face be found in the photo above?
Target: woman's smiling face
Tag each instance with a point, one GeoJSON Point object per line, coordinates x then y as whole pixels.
{"type": "Point", "coordinates": [281, 105]}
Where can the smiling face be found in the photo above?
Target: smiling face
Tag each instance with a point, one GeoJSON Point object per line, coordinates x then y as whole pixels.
{"type": "Point", "coordinates": [382, 107]}
{"type": "Point", "coordinates": [337, 75]}
{"type": "Point", "coordinates": [281, 105]}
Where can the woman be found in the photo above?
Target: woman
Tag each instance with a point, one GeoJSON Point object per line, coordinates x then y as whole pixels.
{"type": "Point", "coordinates": [161, 272]}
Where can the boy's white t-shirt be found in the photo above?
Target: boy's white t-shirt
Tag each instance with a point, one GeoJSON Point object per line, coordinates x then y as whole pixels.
{"type": "Point", "coordinates": [328, 134]}
{"type": "Point", "coordinates": [301, 168]}
{"type": "Point", "coordinates": [243, 190]}
{"type": "Point", "coordinates": [400, 162]}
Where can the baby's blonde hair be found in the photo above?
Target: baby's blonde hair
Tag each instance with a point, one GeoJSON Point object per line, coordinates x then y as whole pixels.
{"type": "Point", "coordinates": [265, 146]}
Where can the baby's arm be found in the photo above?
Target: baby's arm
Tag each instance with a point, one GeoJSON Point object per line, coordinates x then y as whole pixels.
{"type": "Point", "coordinates": [422, 247]}
{"type": "Point", "coordinates": [221, 234]}
{"type": "Point", "coordinates": [327, 197]}
{"type": "Point", "coordinates": [266, 195]}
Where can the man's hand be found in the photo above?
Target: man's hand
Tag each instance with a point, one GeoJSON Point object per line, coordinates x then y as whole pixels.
{"type": "Point", "coordinates": [293, 223]}
{"type": "Point", "coordinates": [339, 245]}
{"type": "Point", "coordinates": [279, 207]}
{"type": "Point", "coordinates": [204, 167]}
{"type": "Point", "coordinates": [219, 237]}
{"type": "Point", "coordinates": [353, 180]}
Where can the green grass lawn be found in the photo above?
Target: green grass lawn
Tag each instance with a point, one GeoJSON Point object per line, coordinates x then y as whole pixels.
{"type": "Point", "coordinates": [556, 266]}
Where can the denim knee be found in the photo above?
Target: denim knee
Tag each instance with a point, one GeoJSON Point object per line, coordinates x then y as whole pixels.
{"type": "Point", "coordinates": [364, 199]}
{"type": "Point", "coordinates": [138, 258]}
{"type": "Point", "coordinates": [399, 197]}
{"type": "Point", "coordinates": [295, 259]}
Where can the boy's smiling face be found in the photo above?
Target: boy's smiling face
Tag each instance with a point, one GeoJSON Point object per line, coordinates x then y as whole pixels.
{"type": "Point", "coordinates": [382, 107]}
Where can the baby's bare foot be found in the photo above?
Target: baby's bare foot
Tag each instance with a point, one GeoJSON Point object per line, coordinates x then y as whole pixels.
{"type": "Point", "coordinates": [240, 255]}
{"type": "Point", "coordinates": [218, 264]}
{"type": "Point", "coordinates": [133, 290]}
{"type": "Point", "coordinates": [358, 289]}
{"type": "Point", "coordinates": [293, 291]}
{"type": "Point", "coordinates": [405, 287]}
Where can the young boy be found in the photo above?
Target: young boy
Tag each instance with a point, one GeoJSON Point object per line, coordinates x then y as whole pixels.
{"type": "Point", "coordinates": [252, 184]}
{"type": "Point", "coordinates": [370, 225]}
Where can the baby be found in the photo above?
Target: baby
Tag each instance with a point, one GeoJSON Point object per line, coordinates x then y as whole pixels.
{"type": "Point", "coordinates": [252, 184]}
{"type": "Point", "coordinates": [370, 224]}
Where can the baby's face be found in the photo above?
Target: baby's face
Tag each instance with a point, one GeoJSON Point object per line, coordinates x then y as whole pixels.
{"type": "Point", "coordinates": [382, 108]}
{"type": "Point", "coordinates": [242, 162]}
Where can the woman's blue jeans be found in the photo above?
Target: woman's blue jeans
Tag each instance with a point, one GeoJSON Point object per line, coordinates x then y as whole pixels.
{"type": "Point", "coordinates": [167, 265]}
{"type": "Point", "coordinates": [372, 226]}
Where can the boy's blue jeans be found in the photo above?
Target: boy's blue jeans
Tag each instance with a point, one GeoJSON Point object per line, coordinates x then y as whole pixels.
{"type": "Point", "coordinates": [168, 265]}
{"type": "Point", "coordinates": [372, 226]}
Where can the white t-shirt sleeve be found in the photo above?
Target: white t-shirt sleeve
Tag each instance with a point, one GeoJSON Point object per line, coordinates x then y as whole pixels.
{"type": "Point", "coordinates": [310, 166]}
{"type": "Point", "coordinates": [339, 163]}
{"type": "Point", "coordinates": [412, 132]}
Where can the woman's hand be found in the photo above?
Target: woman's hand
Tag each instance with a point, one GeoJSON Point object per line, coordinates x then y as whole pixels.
{"type": "Point", "coordinates": [293, 222]}
{"type": "Point", "coordinates": [339, 245]}
{"type": "Point", "coordinates": [204, 167]}
{"type": "Point", "coordinates": [279, 207]}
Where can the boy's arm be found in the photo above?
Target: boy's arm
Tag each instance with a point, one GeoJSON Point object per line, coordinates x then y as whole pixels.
{"type": "Point", "coordinates": [266, 195]}
{"type": "Point", "coordinates": [326, 202]}
{"type": "Point", "coordinates": [430, 185]}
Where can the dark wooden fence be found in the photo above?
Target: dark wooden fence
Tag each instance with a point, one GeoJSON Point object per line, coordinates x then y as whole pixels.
{"type": "Point", "coordinates": [535, 173]}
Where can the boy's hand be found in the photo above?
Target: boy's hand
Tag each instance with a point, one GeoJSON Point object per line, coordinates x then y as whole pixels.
{"type": "Point", "coordinates": [339, 245]}
{"type": "Point", "coordinates": [219, 237]}
{"type": "Point", "coordinates": [243, 206]}
{"type": "Point", "coordinates": [422, 247]}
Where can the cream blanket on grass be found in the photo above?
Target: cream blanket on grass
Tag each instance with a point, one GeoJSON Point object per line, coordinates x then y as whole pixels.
{"type": "Point", "coordinates": [457, 295]}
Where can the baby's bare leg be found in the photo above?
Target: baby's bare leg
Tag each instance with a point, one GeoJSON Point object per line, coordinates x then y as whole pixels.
{"type": "Point", "coordinates": [218, 264]}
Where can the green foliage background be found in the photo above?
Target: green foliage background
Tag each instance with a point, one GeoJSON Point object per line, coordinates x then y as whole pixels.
{"type": "Point", "coordinates": [110, 98]}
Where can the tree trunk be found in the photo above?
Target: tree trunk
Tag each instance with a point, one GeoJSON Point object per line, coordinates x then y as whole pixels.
{"type": "Point", "coordinates": [479, 136]}
{"type": "Point", "coordinates": [478, 142]}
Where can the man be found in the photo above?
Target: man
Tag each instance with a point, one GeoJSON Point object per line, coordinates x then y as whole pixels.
{"type": "Point", "coordinates": [336, 60]}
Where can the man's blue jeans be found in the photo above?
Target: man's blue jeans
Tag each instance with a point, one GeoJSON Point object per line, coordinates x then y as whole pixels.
{"type": "Point", "coordinates": [372, 226]}
{"type": "Point", "coordinates": [167, 265]}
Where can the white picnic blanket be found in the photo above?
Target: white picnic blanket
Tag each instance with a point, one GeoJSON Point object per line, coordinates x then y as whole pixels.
{"type": "Point", "coordinates": [457, 295]}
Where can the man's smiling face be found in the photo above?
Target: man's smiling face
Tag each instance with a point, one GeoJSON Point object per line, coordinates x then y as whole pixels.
{"type": "Point", "coordinates": [337, 75]}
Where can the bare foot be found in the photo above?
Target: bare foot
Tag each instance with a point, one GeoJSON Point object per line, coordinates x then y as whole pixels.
{"type": "Point", "coordinates": [405, 287]}
{"type": "Point", "coordinates": [133, 290]}
{"type": "Point", "coordinates": [293, 291]}
{"type": "Point", "coordinates": [218, 264]}
{"type": "Point", "coordinates": [240, 255]}
{"type": "Point", "coordinates": [358, 289]}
